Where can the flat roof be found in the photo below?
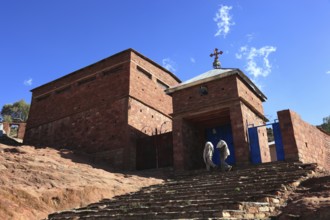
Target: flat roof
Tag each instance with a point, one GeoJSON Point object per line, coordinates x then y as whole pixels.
{"type": "Point", "coordinates": [215, 74]}
{"type": "Point", "coordinates": [124, 51]}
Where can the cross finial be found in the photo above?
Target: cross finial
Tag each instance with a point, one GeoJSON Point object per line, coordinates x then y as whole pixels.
{"type": "Point", "coordinates": [216, 62]}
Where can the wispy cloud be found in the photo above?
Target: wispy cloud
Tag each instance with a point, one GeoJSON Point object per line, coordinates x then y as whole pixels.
{"type": "Point", "coordinates": [28, 82]}
{"type": "Point", "coordinates": [192, 60]}
{"type": "Point", "coordinates": [223, 20]}
{"type": "Point", "coordinates": [257, 62]}
{"type": "Point", "coordinates": [250, 37]}
{"type": "Point", "coordinates": [169, 64]}
{"type": "Point", "coordinates": [328, 72]}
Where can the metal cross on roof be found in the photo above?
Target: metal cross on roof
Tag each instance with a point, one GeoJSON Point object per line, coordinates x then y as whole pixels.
{"type": "Point", "coordinates": [216, 62]}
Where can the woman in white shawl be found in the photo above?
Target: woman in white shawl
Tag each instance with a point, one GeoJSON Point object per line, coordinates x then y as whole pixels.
{"type": "Point", "coordinates": [224, 153]}
{"type": "Point", "coordinates": [207, 155]}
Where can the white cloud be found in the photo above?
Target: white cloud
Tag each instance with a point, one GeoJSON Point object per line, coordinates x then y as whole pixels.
{"type": "Point", "coordinates": [169, 64]}
{"type": "Point", "coordinates": [257, 60]}
{"type": "Point", "coordinates": [192, 60]}
{"type": "Point", "coordinates": [250, 37]}
{"type": "Point", "coordinates": [223, 20]}
{"type": "Point", "coordinates": [328, 72]}
{"type": "Point", "coordinates": [28, 82]}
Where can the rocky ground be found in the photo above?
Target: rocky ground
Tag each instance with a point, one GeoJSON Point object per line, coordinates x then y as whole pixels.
{"type": "Point", "coordinates": [311, 199]}
{"type": "Point", "coordinates": [35, 182]}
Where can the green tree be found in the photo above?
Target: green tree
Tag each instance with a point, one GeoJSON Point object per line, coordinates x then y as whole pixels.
{"type": "Point", "coordinates": [18, 111]}
{"type": "Point", "coordinates": [326, 124]}
{"type": "Point", "coordinates": [7, 118]}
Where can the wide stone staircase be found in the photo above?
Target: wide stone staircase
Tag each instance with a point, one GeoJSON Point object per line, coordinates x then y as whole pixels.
{"type": "Point", "coordinates": [253, 192]}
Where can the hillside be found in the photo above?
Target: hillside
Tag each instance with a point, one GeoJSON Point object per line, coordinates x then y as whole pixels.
{"type": "Point", "coordinates": [35, 182]}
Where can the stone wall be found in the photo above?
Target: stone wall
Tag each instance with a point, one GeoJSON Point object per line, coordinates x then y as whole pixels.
{"type": "Point", "coordinates": [302, 141]}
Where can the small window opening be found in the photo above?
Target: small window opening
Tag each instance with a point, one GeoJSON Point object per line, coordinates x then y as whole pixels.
{"type": "Point", "coordinates": [203, 90]}
{"type": "Point", "coordinates": [144, 72]}
{"type": "Point", "coordinates": [162, 84]}
{"type": "Point", "coordinates": [63, 89]}
{"type": "Point", "coordinates": [86, 80]}
{"type": "Point", "coordinates": [113, 70]}
{"type": "Point", "coordinates": [43, 97]}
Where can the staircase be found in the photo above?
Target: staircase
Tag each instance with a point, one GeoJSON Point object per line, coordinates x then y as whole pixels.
{"type": "Point", "coordinates": [253, 192]}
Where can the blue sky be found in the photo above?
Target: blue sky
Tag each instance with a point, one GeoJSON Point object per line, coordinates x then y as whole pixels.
{"type": "Point", "coordinates": [283, 46]}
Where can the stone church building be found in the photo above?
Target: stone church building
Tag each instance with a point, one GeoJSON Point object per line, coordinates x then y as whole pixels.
{"type": "Point", "coordinates": [132, 113]}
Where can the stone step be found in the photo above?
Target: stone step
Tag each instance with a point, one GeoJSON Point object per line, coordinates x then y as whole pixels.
{"type": "Point", "coordinates": [222, 185]}
{"type": "Point", "coordinates": [195, 205]}
{"type": "Point", "coordinates": [246, 177]}
{"type": "Point", "coordinates": [198, 204]}
{"type": "Point", "coordinates": [250, 193]}
{"type": "Point", "coordinates": [237, 192]}
{"type": "Point", "coordinates": [137, 209]}
{"type": "Point", "coordinates": [260, 169]}
{"type": "Point", "coordinates": [214, 214]}
{"type": "Point", "coordinates": [225, 183]}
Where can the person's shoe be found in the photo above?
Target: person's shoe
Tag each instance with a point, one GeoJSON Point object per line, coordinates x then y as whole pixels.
{"type": "Point", "coordinates": [228, 168]}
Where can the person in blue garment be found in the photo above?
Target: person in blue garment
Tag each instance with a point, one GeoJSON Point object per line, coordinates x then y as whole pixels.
{"type": "Point", "coordinates": [224, 153]}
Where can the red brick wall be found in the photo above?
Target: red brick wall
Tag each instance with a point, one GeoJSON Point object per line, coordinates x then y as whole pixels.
{"type": "Point", "coordinates": [144, 121]}
{"type": "Point", "coordinates": [189, 99]}
{"type": "Point", "coordinates": [156, 71]}
{"type": "Point", "coordinates": [79, 97]}
{"type": "Point", "coordinates": [147, 120]}
{"type": "Point", "coordinates": [246, 93]}
{"type": "Point", "coordinates": [21, 130]}
{"type": "Point", "coordinates": [96, 110]}
{"type": "Point", "coordinates": [102, 65]}
{"type": "Point", "coordinates": [242, 117]}
{"type": "Point", "coordinates": [101, 132]}
{"type": "Point", "coordinates": [225, 93]}
{"type": "Point", "coordinates": [6, 127]}
{"type": "Point", "coordinates": [188, 145]}
{"type": "Point", "coordinates": [148, 89]}
{"type": "Point", "coordinates": [302, 141]}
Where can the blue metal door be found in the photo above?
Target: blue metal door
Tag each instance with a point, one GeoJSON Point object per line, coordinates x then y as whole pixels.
{"type": "Point", "coordinates": [224, 133]}
{"type": "Point", "coordinates": [278, 141]}
{"type": "Point", "coordinates": [254, 145]}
